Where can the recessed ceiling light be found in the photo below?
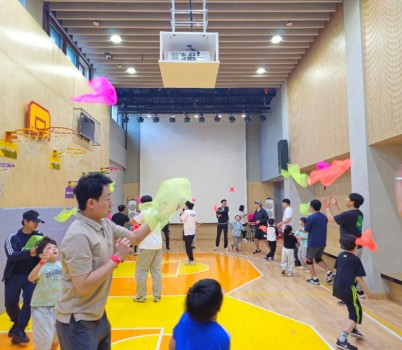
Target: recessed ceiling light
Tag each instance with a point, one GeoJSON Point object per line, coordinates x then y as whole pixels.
{"type": "Point", "coordinates": [119, 66]}
{"type": "Point", "coordinates": [276, 39]}
{"type": "Point", "coordinates": [96, 23]}
{"type": "Point", "coordinates": [131, 70]}
{"type": "Point", "coordinates": [196, 115]}
{"type": "Point", "coordinates": [116, 39]}
{"type": "Point", "coordinates": [261, 70]}
{"type": "Point", "coordinates": [289, 24]}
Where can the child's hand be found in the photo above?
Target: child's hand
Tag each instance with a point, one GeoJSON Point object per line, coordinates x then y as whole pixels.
{"type": "Point", "coordinates": [333, 200]}
{"type": "Point", "coordinates": [370, 295]}
{"type": "Point", "coordinates": [44, 257]}
{"type": "Point", "coordinates": [122, 248]}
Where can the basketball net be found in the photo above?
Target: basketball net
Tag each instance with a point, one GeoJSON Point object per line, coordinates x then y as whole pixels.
{"type": "Point", "coordinates": [4, 174]}
{"type": "Point", "coordinates": [112, 172]}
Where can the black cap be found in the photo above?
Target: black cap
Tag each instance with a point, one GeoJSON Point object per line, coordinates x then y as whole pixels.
{"type": "Point", "coordinates": [32, 215]}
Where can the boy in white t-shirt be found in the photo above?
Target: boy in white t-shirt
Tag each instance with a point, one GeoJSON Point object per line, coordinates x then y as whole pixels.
{"type": "Point", "coordinates": [272, 233]}
{"type": "Point", "coordinates": [149, 261]}
{"type": "Point", "coordinates": [47, 276]}
{"type": "Point", "coordinates": [189, 219]}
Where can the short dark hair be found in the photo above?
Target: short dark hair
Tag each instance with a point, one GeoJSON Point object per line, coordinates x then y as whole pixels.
{"type": "Point", "coordinates": [189, 205]}
{"type": "Point", "coordinates": [121, 207]}
{"type": "Point", "coordinates": [204, 299]}
{"type": "Point", "coordinates": [286, 200]}
{"type": "Point", "coordinates": [315, 204]}
{"type": "Point", "coordinates": [146, 198]}
{"type": "Point", "coordinates": [223, 200]}
{"type": "Point", "coordinates": [41, 245]}
{"type": "Point", "coordinates": [241, 208]}
{"type": "Point", "coordinates": [303, 219]}
{"type": "Point", "coordinates": [90, 187]}
{"type": "Point", "coordinates": [357, 199]}
{"type": "Point", "coordinates": [271, 222]}
{"type": "Point", "coordinates": [287, 229]}
{"type": "Point", "coordinates": [347, 241]}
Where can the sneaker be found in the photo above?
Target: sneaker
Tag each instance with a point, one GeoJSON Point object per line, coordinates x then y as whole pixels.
{"type": "Point", "coordinates": [306, 270]}
{"type": "Point", "coordinates": [232, 246]}
{"type": "Point", "coordinates": [157, 299]}
{"type": "Point", "coordinates": [330, 277]}
{"type": "Point", "coordinates": [257, 251]}
{"type": "Point", "coordinates": [345, 345]}
{"type": "Point", "coordinates": [139, 299]}
{"type": "Point", "coordinates": [190, 263]}
{"type": "Point", "coordinates": [19, 337]}
{"type": "Point", "coordinates": [237, 250]}
{"type": "Point", "coordinates": [167, 248]}
{"type": "Point", "coordinates": [216, 248]}
{"type": "Point", "coordinates": [315, 281]}
{"type": "Point", "coordinates": [12, 330]}
{"type": "Point", "coordinates": [266, 259]}
{"type": "Point", "coordinates": [226, 250]}
{"type": "Point", "coordinates": [244, 240]}
{"type": "Point", "coordinates": [283, 272]}
{"type": "Point", "coordinates": [341, 303]}
{"type": "Point", "coordinates": [290, 274]}
{"type": "Point", "coordinates": [361, 294]}
{"type": "Point", "coordinates": [355, 333]}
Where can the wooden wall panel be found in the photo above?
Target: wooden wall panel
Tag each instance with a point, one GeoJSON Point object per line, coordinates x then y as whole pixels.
{"type": "Point", "coordinates": [318, 122]}
{"type": "Point", "coordinates": [382, 33]}
{"type": "Point", "coordinates": [258, 191]}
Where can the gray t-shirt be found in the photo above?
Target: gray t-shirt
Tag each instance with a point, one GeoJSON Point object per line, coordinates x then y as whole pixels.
{"type": "Point", "coordinates": [48, 285]}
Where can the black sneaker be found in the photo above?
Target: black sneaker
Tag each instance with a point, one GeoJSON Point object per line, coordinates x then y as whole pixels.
{"type": "Point", "coordinates": [341, 303]}
{"type": "Point", "coordinates": [330, 277]}
{"type": "Point", "coordinates": [283, 272]}
{"type": "Point", "coordinates": [19, 337]}
{"type": "Point", "coordinates": [345, 345]}
{"type": "Point", "coordinates": [361, 294]}
{"type": "Point", "coordinates": [315, 281]}
{"type": "Point", "coordinates": [257, 251]}
{"type": "Point", "coordinates": [12, 330]}
{"type": "Point", "coordinates": [355, 333]}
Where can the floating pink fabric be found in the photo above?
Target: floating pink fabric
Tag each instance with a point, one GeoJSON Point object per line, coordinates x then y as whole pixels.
{"type": "Point", "coordinates": [194, 199]}
{"type": "Point", "coordinates": [109, 216]}
{"type": "Point", "coordinates": [367, 241]}
{"type": "Point", "coordinates": [328, 176]}
{"type": "Point", "coordinates": [251, 217]}
{"type": "Point", "coordinates": [263, 228]}
{"type": "Point", "coordinates": [322, 165]}
{"type": "Point", "coordinates": [103, 92]}
{"type": "Point", "coordinates": [231, 189]}
{"type": "Point", "coordinates": [139, 200]}
{"type": "Point", "coordinates": [215, 207]}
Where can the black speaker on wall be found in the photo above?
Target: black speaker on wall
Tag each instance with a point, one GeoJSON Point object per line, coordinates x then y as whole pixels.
{"type": "Point", "coordinates": [283, 155]}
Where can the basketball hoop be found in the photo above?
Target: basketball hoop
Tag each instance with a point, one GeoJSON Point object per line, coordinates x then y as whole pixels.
{"type": "Point", "coordinates": [60, 137]}
{"type": "Point", "coordinates": [73, 156]}
{"type": "Point", "coordinates": [32, 139]}
{"type": "Point", "coordinates": [4, 173]}
{"type": "Point", "coordinates": [111, 171]}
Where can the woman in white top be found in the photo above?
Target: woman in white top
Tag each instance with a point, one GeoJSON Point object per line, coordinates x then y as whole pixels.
{"type": "Point", "coordinates": [189, 219]}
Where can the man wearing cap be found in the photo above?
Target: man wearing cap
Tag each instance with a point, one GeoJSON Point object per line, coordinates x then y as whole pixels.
{"type": "Point", "coordinates": [261, 219]}
{"type": "Point", "coordinates": [20, 263]}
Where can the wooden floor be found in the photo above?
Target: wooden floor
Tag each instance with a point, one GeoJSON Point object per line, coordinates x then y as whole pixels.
{"type": "Point", "coordinates": [262, 308]}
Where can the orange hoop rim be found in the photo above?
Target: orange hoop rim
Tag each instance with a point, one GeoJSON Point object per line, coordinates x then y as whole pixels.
{"type": "Point", "coordinates": [72, 151]}
{"type": "Point", "coordinates": [28, 132]}
{"type": "Point", "coordinates": [61, 130]}
{"type": "Point", "coordinates": [112, 169]}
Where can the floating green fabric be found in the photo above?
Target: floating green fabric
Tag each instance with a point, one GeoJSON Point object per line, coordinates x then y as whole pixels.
{"type": "Point", "coordinates": [171, 194]}
{"type": "Point", "coordinates": [300, 178]}
{"type": "Point", "coordinates": [304, 209]}
{"type": "Point", "coordinates": [284, 173]}
{"type": "Point", "coordinates": [65, 214]}
{"type": "Point", "coordinates": [32, 242]}
{"type": "Point", "coordinates": [112, 186]}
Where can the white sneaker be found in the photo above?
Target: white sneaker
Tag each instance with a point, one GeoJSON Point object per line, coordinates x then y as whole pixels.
{"type": "Point", "coordinates": [216, 248]}
{"type": "Point", "coordinates": [226, 250]}
{"type": "Point", "coordinates": [192, 263]}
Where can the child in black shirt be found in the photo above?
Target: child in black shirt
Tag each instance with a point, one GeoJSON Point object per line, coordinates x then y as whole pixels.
{"type": "Point", "coordinates": [350, 270]}
{"type": "Point", "coordinates": [289, 244]}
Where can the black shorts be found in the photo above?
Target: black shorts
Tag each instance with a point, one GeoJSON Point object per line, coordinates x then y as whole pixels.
{"type": "Point", "coordinates": [314, 253]}
{"type": "Point", "coordinates": [354, 307]}
{"type": "Point", "coordinates": [259, 234]}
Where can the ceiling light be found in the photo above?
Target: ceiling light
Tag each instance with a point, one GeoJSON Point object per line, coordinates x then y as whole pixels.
{"type": "Point", "coordinates": [232, 119]}
{"type": "Point", "coordinates": [155, 118]}
{"type": "Point", "coordinates": [202, 118]}
{"type": "Point", "coordinates": [149, 115]}
{"type": "Point", "coordinates": [116, 39]}
{"type": "Point", "coordinates": [243, 115]}
{"type": "Point", "coordinates": [119, 66]}
{"type": "Point", "coordinates": [172, 118]}
{"type": "Point", "coordinates": [131, 70]}
{"type": "Point", "coordinates": [108, 56]}
{"type": "Point", "coordinates": [247, 119]}
{"type": "Point", "coordinates": [276, 39]}
{"type": "Point", "coordinates": [196, 115]}
{"type": "Point", "coordinates": [289, 24]}
{"type": "Point", "coordinates": [261, 70]}
{"type": "Point", "coordinates": [217, 118]}
{"type": "Point", "coordinates": [140, 119]}
{"type": "Point", "coordinates": [263, 118]}
{"type": "Point", "coordinates": [96, 23]}
{"type": "Point", "coordinates": [187, 118]}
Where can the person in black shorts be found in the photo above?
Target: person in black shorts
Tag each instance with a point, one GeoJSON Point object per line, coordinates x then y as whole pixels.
{"type": "Point", "coordinates": [120, 218]}
{"type": "Point", "coordinates": [261, 219]}
{"type": "Point", "coordinates": [349, 271]}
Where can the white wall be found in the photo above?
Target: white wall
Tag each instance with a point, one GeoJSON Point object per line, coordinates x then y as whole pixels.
{"type": "Point", "coordinates": [211, 155]}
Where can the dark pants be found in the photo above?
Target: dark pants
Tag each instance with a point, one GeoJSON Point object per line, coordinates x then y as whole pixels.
{"type": "Point", "coordinates": [84, 335]}
{"type": "Point", "coordinates": [12, 290]}
{"type": "Point", "coordinates": [297, 261]}
{"type": "Point", "coordinates": [272, 249]}
{"type": "Point", "coordinates": [220, 228]}
{"type": "Point", "coordinates": [166, 232]}
{"type": "Point", "coordinates": [188, 241]}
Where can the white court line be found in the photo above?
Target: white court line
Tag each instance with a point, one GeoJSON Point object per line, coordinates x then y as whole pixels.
{"type": "Point", "coordinates": [158, 345]}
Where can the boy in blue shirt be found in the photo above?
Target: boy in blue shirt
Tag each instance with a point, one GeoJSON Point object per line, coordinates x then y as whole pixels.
{"type": "Point", "coordinates": [349, 271]}
{"type": "Point", "coordinates": [197, 328]}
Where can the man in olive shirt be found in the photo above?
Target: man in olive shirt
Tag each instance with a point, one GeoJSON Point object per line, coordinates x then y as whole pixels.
{"type": "Point", "coordinates": [91, 249]}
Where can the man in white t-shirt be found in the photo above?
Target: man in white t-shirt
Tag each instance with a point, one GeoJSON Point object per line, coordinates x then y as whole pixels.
{"type": "Point", "coordinates": [189, 219]}
{"type": "Point", "coordinates": [149, 261]}
{"type": "Point", "coordinates": [288, 219]}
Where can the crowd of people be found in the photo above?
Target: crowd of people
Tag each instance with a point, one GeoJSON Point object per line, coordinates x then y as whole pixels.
{"type": "Point", "coordinates": [64, 295]}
